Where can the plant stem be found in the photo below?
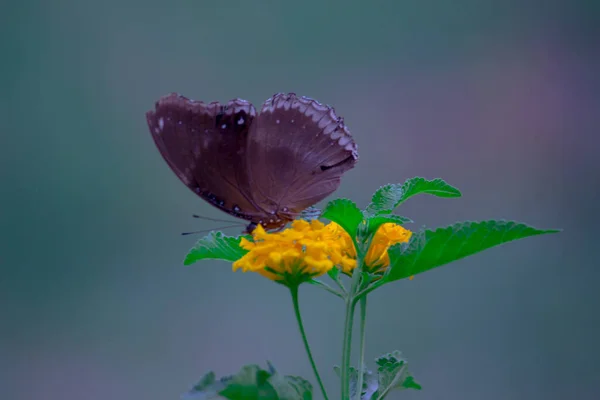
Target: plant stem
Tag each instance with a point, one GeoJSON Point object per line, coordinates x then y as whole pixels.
{"type": "Point", "coordinates": [370, 288]}
{"type": "Point", "coordinates": [325, 286]}
{"type": "Point", "coordinates": [294, 291]}
{"type": "Point", "coordinates": [361, 350]}
{"type": "Point", "coordinates": [340, 285]}
{"type": "Point", "coordinates": [347, 348]}
{"type": "Point", "coordinates": [348, 325]}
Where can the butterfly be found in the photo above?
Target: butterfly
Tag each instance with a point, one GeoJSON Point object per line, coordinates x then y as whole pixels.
{"type": "Point", "coordinates": [264, 167]}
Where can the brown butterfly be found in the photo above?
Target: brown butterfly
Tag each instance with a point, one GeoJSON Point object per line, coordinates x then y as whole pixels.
{"type": "Point", "coordinates": [264, 168]}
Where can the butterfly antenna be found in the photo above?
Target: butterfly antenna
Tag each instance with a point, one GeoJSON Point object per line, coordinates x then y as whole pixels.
{"type": "Point", "coordinates": [208, 230]}
{"type": "Point", "coordinates": [211, 219]}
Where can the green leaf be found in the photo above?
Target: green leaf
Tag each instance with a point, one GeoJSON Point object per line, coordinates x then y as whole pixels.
{"type": "Point", "coordinates": [217, 246]}
{"type": "Point", "coordinates": [369, 385]}
{"type": "Point", "coordinates": [334, 273]}
{"type": "Point", "coordinates": [251, 383]}
{"type": "Point", "coordinates": [430, 249]}
{"type": "Point", "coordinates": [207, 388]}
{"type": "Point", "coordinates": [291, 387]}
{"type": "Point", "coordinates": [388, 197]}
{"type": "Point", "coordinates": [345, 213]}
{"type": "Point", "coordinates": [393, 374]}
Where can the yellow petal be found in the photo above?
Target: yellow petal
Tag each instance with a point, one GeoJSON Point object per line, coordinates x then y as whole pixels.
{"type": "Point", "coordinates": [246, 244]}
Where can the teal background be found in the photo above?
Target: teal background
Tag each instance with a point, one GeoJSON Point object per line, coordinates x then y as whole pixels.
{"type": "Point", "coordinates": [500, 98]}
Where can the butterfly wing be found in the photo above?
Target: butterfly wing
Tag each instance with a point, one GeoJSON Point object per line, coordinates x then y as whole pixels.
{"type": "Point", "coordinates": [205, 145]}
{"type": "Point", "coordinates": [298, 150]}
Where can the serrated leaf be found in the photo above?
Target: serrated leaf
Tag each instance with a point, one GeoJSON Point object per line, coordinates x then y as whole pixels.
{"type": "Point", "coordinates": [291, 387]}
{"type": "Point", "coordinates": [251, 383]}
{"type": "Point", "coordinates": [345, 213]}
{"type": "Point", "coordinates": [216, 246]}
{"type": "Point", "coordinates": [271, 368]}
{"type": "Point", "coordinates": [369, 385]}
{"type": "Point", "coordinates": [388, 197]}
{"type": "Point", "coordinates": [392, 374]}
{"type": "Point", "coordinates": [429, 249]}
{"type": "Point", "coordinates": [206, 388]}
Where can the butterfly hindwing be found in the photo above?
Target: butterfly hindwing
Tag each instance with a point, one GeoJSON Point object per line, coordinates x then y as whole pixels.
{"type": "Point", "coordinates": [298, 150]}
{"type": "Point", "coordinates": [267, 168]}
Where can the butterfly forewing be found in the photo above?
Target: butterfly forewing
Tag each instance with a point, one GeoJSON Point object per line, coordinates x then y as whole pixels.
{"type": "Point", "coordinates": [298, 150]}
{"type": "Point", "coordinates": [267, 168]}
{"type": "Point", "coordinates": [205, 145]}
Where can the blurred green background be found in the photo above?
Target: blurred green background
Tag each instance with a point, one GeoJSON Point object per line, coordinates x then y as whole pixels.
{"type": "Point", "coordinates": [500, 98]}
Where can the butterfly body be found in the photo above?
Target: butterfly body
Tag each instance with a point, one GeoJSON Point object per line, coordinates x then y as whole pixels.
{"type": "Point", "coordinates": [264, 168]}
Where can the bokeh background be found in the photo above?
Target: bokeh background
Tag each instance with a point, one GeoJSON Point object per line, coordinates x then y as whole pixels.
{"type": "Point", "coordinates": [500, 98]}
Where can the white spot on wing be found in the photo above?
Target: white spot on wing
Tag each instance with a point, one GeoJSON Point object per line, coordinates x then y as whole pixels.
{"type": "Point", "coordinates": [277, 121]}
{"type": "Point", "coordinates": [240, 121]}
{"type": "Point", "coordinates": [344, 140]}
{"type": "Point", "coordinates": [319, 107]}
{"type": "Point", "coordinates": [161, 123]}
{"type": "Point", "coordinates": [323, 122]}
{"type": "Point", "coordinates": [336, 135]}
{"type": "Point", "coordinates": [223, 126]}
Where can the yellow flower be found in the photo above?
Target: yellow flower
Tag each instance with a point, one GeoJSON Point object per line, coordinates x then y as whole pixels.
{"type": "Point", "coordinates": [305, 250]}
{"type": "Point", "coordinates": [310, 249]}
{"type": "Point", "coordinates": [377, 258]}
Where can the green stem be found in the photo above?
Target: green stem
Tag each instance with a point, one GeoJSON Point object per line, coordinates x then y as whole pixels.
{"type": "Point", "coordinates": [349, 323]}
{"type": "Point", "coordinates": [361, 360]}
{"type": "Point", "coordinates": [325, 286]}
{"type": "Point", "coordinates": [370, 288]}
{"type": "Point", "coordinates": [340, 285]}
{"type": "Point", "coordinates": [294, 291]}
{"type": "Point", "coordinates": [347, 348]}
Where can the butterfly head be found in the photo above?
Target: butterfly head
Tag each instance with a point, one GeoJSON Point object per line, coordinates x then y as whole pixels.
{"type": "Point", "coordinates": [275, 224]}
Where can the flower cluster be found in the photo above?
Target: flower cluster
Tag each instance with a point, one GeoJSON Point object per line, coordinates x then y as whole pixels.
{"type": "Point", "coordinates": [310, 249]}
{"type": "Point", "coordinates": [304, 250]}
